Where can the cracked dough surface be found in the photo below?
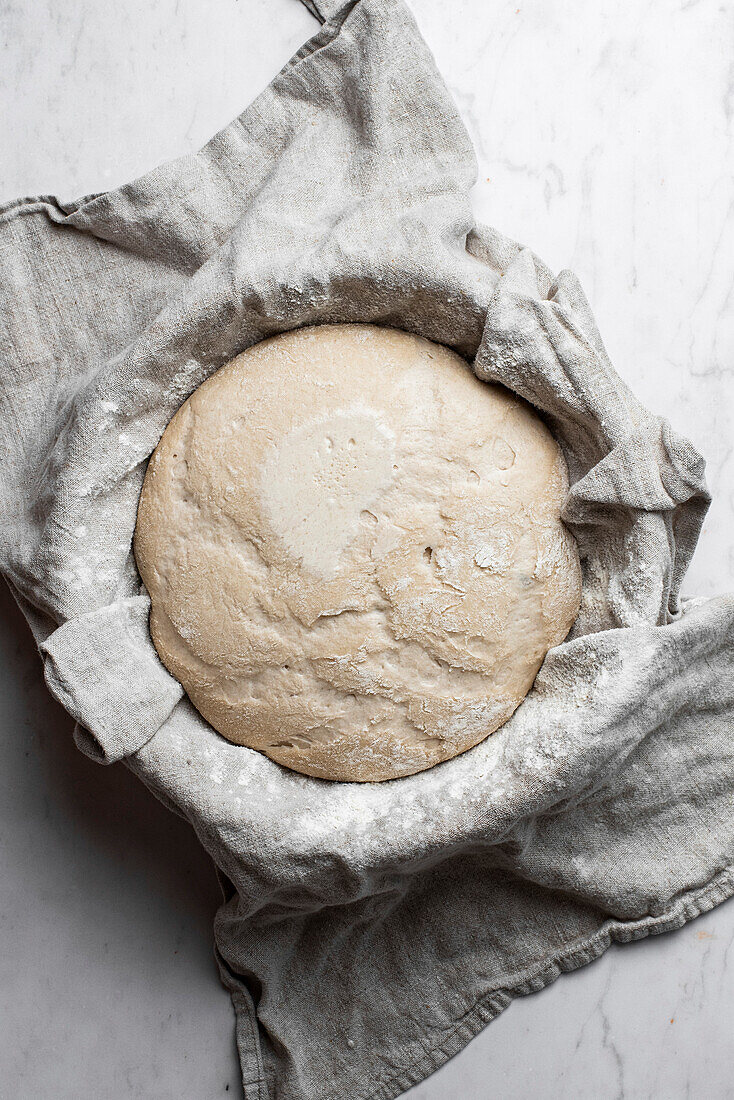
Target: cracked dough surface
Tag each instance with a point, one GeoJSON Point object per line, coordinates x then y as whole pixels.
{"type": "Point", "coordinates": [354, 552]}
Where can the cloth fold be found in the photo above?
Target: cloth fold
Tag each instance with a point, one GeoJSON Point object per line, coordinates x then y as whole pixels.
{"type": "Point", "coordinates": [368, 930]}
{"type": "Point", "coordinates": [83, 662]}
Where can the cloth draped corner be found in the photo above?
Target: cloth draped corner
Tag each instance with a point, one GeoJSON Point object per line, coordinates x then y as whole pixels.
{"type": "Point", "coordinates": [368, 931]}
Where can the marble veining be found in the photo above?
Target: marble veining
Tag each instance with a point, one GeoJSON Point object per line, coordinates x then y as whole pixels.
{"type": "Point", "coordinates": [604, 141]}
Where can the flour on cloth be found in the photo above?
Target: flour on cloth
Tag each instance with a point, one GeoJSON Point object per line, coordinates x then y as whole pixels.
{"type": "Point", "coordinates": [368, 930]}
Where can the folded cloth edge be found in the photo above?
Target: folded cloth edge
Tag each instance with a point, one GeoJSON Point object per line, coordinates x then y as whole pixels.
{"type": "Point", "coordinates": [685, 908]}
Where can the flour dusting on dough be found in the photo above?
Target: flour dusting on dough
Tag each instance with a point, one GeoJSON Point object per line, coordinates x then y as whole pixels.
{"type": "Point", "coordinates": [320, 477]}
{"type": "Point", "coordinates": [354, 552]}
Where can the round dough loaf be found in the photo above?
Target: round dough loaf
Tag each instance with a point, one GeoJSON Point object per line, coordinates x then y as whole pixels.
{"type": "Point", "coordinates": [354, 551]}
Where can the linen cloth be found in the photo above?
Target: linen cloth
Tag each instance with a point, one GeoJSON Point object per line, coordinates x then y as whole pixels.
{"type": "Point", "coordinates": [368, 931]}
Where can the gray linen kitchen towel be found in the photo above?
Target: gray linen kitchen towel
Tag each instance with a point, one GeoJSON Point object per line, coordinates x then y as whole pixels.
{"type": "Point", "coordinates": [368, 931]}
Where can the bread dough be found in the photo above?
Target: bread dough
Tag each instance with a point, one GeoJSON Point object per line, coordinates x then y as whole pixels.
{"type": "Point", "coordinates": [354, 552]}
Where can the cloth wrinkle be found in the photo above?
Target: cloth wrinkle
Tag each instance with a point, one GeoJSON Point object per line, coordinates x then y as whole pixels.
{"type": "Point", "coordinates": [367, 931]}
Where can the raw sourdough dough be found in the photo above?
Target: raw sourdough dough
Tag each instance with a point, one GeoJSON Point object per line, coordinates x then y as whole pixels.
{"type": "Point", "coordinates": [354, 552]}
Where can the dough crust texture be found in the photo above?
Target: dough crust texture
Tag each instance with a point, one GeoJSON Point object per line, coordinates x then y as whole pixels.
{"type": "Point", "coordinates": [354, 551]}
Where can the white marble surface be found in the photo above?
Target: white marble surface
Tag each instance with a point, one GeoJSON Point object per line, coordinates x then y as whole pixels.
{"type": "Point", "coordinates": [604, 134]}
